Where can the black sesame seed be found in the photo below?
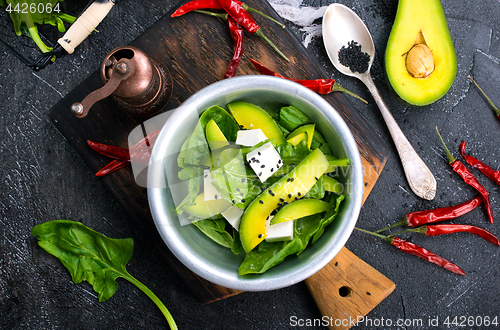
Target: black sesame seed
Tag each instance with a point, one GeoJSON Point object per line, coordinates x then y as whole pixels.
{"type": "Point", "coordinates": [292, 164]}
{"type": "Point", "coordinates": [237, 189]}
{"type": "Point", "coordinates": [285, 203]}
{"type": "Point", "coordinates": [288, 180]}
{"type": "Point", "coordinates": [243, 201]}
{"type": "Point", "coordinates": [296, 199]}
{"type": "Point", "coordinates": [215, 196]}
{"type": "Point", "coordinates": [279, 204]}
{"type": "Point", "coordinates": [258, 153]}
{"type": "Point", "coordinates": [262, 166]}
{"type": "Point", "coordinates": [242, 194]}
{"type": "Point", "coordinates": [243, 180]}
{"type": "Point", "coordinates": [299, 193]}
{"type": "Point", "coordinates": [257, 161]}
{"type": "Point", "coordinates": [261, 201]}
{"type": "Point", "coordinates": [206, 176]}
{"type": "Point", "coordinates": [260, 235]}
{"type": "Point", "coordinates": [281, 199]}
{"type": "Point", "coordinates": [253, 158]}
{"type": "Point", "coordinates": [272, 169]}
{"type": "Point", "coordinates": [279, 161]}
{"type": "Point", "coordinates": [260, 174]}
{"type": "Point", "coordinates": [289, 195]}
{"type": "Point", "coordinates": [291, 180]}
{"type": "Point", "coordinates": [234, 202]}
{"type": "Point", "coordinates": [271, 193]}
{"type": "Point", "coordinates": [316, 178]}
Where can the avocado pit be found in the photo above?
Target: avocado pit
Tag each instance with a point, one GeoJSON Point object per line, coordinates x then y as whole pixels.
{"type": "Point", "coordinates": [419, 61]}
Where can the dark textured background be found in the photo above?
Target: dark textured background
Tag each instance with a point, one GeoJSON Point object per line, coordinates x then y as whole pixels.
{"type": "Point", "coordinates": [44, 179]}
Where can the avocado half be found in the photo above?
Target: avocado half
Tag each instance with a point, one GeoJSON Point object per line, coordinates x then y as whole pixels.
{"type": "Point", "coordinates": [420, 23]}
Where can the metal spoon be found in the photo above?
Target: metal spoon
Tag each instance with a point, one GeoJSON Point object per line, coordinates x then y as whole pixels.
{"type": "Point", "coordinates": [340, 26]}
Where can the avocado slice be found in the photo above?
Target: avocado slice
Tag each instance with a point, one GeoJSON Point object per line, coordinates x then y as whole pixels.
{"type": "Point", "coordinates": [420, 58]}
{"type": "Point", "coordinates": [215, 137]}
{"type": "Point", "coordinates": [206, 209]}
{"type": "Point", "coordinates": [295, 184]}
{"type": "Point", "coordinates": [332, 185]}
{"type": "Point", "coordinates": [297, 139]}
{"type": "Point", "coordinates": [309, 129]}
{"type": "Point", "coordinates": [299, 209]}
{"type": "Point", "coordinates": [251, 116]}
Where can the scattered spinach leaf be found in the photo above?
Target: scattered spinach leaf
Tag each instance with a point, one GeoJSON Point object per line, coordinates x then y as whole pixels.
{"type": "Point", "coordinates": [92, 257]}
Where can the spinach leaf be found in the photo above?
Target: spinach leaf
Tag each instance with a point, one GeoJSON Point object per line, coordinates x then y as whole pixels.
{"type": "Point", "coordinates": [195, 176]}
{"type": "Point", "coordinates": [290, 118]}
{"type": "Point", "coordinates": [92, 257]}
{"type": "Point", "coordinates": [216, 231]}
{"type": "Point", "coordinates": [329, 216]}
{"type": "Point", "coordinates": [227, 124]}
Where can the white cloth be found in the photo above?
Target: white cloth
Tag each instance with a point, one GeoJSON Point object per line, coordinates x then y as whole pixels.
{"type": "Point", "coordinates": [302, 16]}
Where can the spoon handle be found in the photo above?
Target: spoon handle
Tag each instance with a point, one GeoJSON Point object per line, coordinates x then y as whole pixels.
{"type": "Point", "coordinates": [420, 178]}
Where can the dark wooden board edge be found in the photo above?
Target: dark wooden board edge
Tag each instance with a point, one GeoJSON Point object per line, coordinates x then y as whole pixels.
{"type": "Point", "coordinates": [96, 125]}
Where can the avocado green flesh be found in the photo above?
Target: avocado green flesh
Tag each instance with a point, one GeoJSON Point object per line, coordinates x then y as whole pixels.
{"type": "Point", "coordinates": [206, 209]}
{"type": "Point", "coordinates": [251, 116]}
{"type": "Point", "coordinates": [296, 139]}
{"type": "Point", "coordinates": [309, 129]}
{"type": "Point", "coordinates": [215, 137]}
{"type": "Point", "coordinates": [332, 185]}
{"type": "Point", "coordinates": [299, 209]}
{"type": "Point", "coordinates": [295, 184]}
{"type": "Point", "coordinates": [412, 18]}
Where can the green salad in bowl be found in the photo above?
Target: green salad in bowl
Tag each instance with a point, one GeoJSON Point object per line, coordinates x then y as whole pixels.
{"type": "Point", "coordinates": [259, 183]}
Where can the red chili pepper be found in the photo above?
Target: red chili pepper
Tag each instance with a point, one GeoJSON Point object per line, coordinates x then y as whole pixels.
{"type": "Point", "coordinates": [436, 230]}
{"type": "Point", "coordinates": [418, 218]}
{"type": "Point", "coordinates": [110, 151]}
{"type": "Point", "coordinates": [476, 163]}
{"type": "Point", "coordinates": [468, 177]}
{"type": "Point", "coordinates": [197, 4]}
{"type": "Point", "coordinates": [237, 36]}
{"type": "Point", "coordinates": [414, 249]}
{"type": "Point", "coordinates": [139, 153]}
{"type": "Point", "coordinates": [320, 86]}
{"type": "Point", "coordinates": [213, 4]}
{"type": "Point", "coordinates": [243, 18]}
{"type": "Point", "coordinates": [492, 105]}
{"type": "Point", "coordinates": [113, 166]}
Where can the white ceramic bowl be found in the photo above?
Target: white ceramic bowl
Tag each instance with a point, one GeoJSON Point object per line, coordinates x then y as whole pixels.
{"type": "Point", "coordinates": [212, 261]}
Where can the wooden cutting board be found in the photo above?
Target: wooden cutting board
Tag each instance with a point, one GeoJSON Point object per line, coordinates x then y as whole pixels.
{"type": "Point", "coordinates": [196, 49]}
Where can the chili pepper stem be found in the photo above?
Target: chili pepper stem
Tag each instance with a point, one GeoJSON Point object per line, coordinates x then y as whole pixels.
{"type": "Point", "coordinates": [211, 13]}
{"type": "Point", "coordinates": [397, 224]}
{"type": "Point", "coordinates": [372, 233]}
{"type": "Point", "coordinates": [248, 8]}
{"type": "Point", "coordinates": [414, 230]}
{"type": "Point", "coordinates": [337, 88]}
{"type": "Point", "coordinates": [450, 157]}
{"type": "Point", "coordinates": [493, 106]}
{"type": "Point", "coordinates": [259, 33]}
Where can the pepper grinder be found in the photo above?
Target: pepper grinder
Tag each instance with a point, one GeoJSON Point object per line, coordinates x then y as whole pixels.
{"type": "Point", "coordinates": [139, 85]}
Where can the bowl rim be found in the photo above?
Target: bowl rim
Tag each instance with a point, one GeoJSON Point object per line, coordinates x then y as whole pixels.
{"type": "Point", "coordinates": [259, 282]}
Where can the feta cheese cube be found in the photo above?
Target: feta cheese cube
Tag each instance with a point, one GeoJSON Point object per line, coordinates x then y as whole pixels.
{"type": "Point", "coordinates": [210, 192]}
{"type": "Point", "coordinates": [264, 161]}
{"type": "Point", "coordinates": [233, 216]}
{"type": "Point", "coordinates": [279, 232]}
{"type": "Point", "coordinates": [250, 137]}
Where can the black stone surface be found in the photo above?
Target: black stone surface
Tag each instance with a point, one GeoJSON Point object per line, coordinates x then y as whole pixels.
{"type": "Point", "coordinates": [42, 178]}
